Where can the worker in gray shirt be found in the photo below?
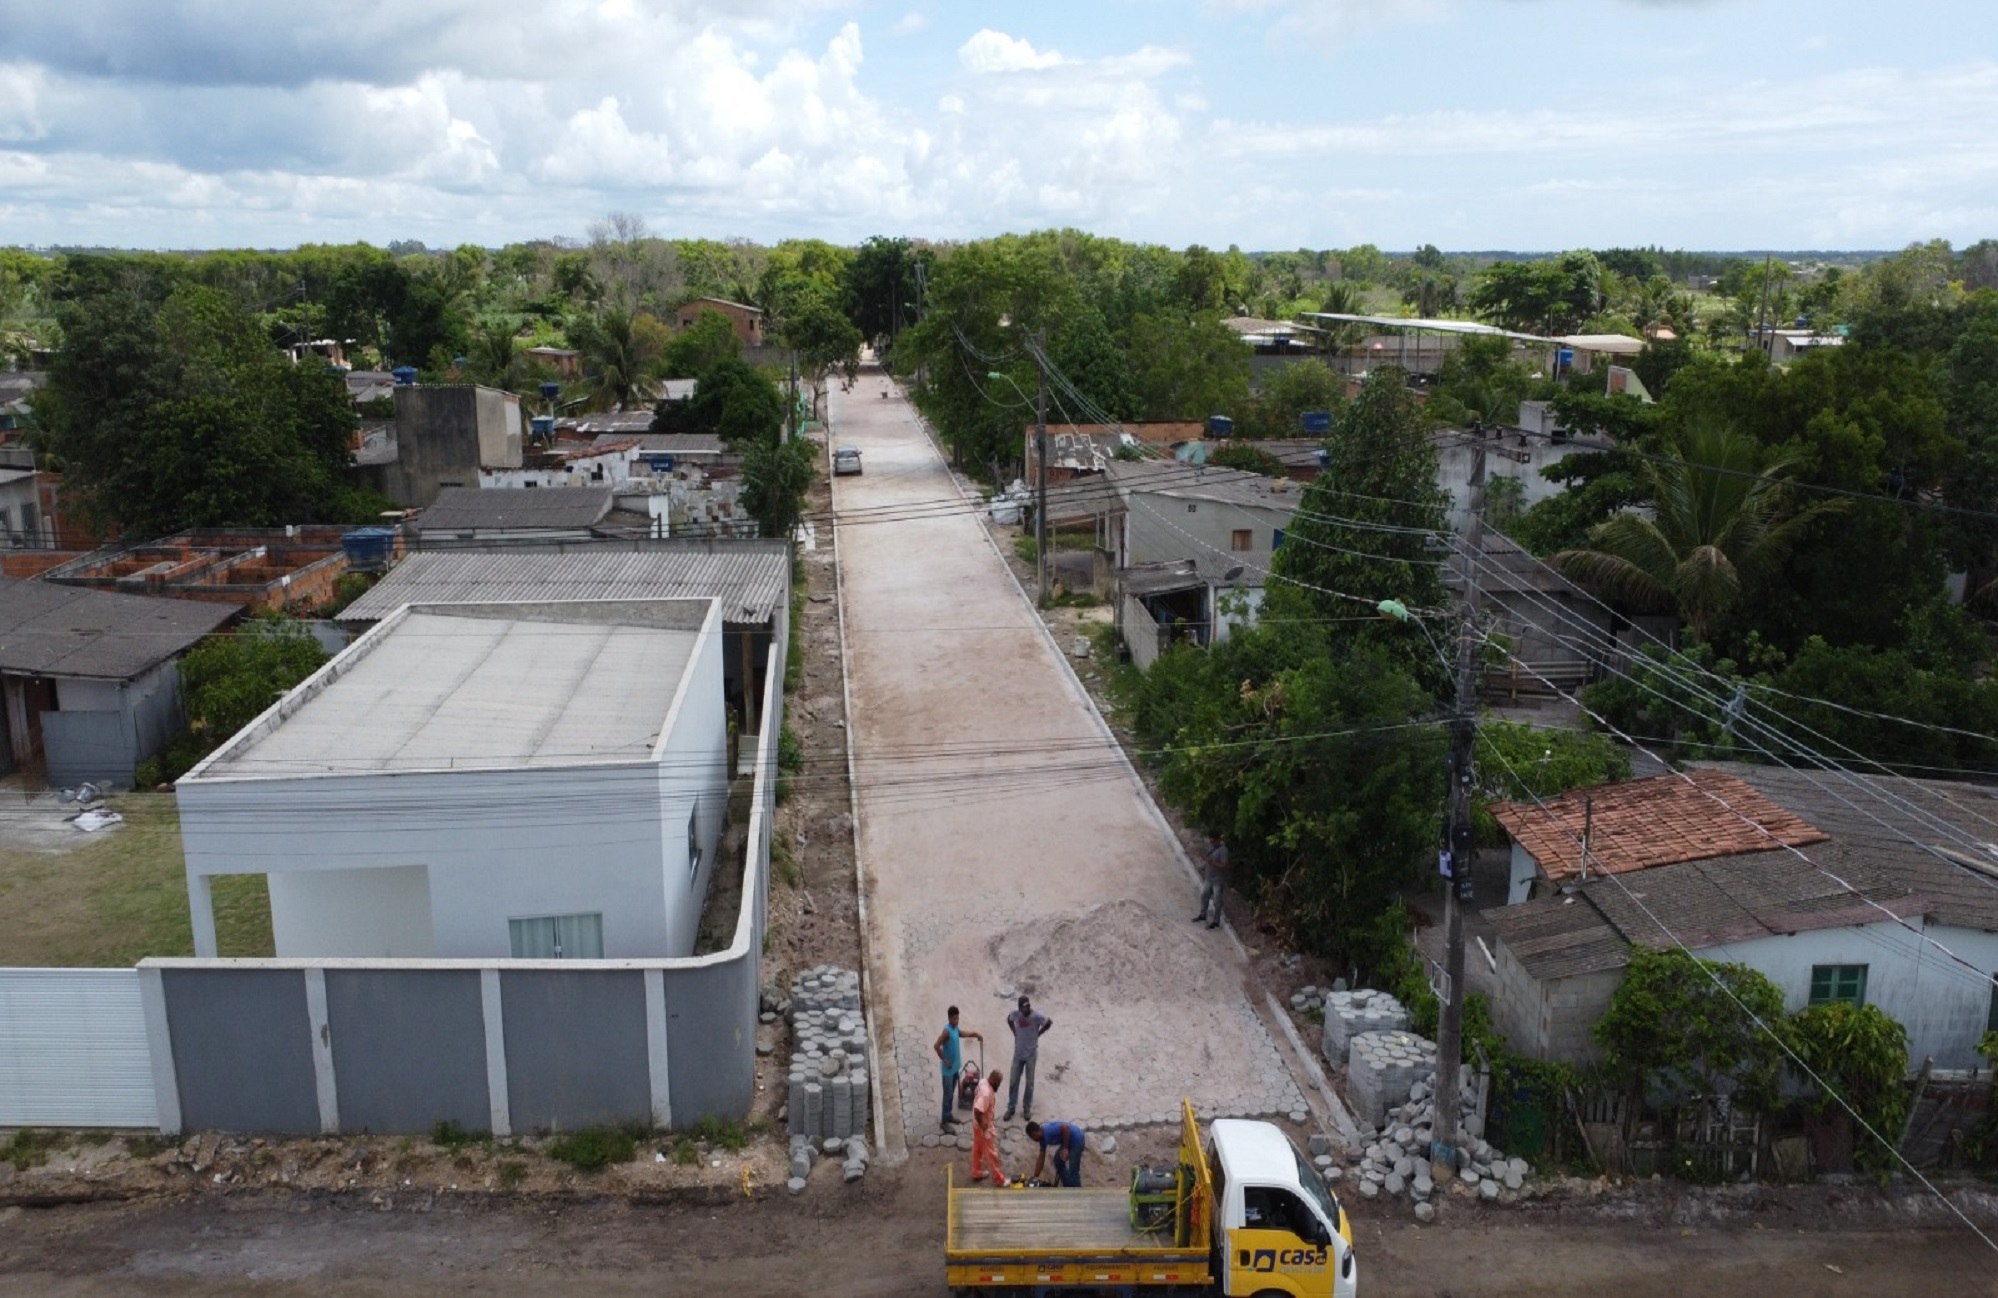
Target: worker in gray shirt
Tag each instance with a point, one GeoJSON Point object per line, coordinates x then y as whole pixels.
{"type": "Point", "coordinates": [1028, 1027]}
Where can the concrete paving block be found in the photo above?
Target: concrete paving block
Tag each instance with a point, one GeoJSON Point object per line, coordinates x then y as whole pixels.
{"type": "Point", "coordinates": [1334, 1174]}
{"type": "Point", "coordinates": [1513, 1180]}
{"type": "Point", "coordinates": [1320, 1143]}
{"type": "Point", "coordinates": [1395, 1183]}
{"type": "Point", "coordinates": [796, 1185]}
{"type": "Point", "coordinates": [1488, 1190]}
{"type": "Point", "coordinates": [1106, 1145]}
{"type": "Point", "coordinates": [1425, 1212]}
{"type": "Point", "coordinates": [1368, 1190]}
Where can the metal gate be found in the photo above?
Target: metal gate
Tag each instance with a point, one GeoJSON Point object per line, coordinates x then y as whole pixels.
{"type": "Point", "coordinates": [73, 1050]}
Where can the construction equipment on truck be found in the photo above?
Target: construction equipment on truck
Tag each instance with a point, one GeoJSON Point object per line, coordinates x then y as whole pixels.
{"type": "Point", "coordinates": [1241, 1213]}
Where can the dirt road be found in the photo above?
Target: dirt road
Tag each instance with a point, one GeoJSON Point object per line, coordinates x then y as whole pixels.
{"type": "Point", "coordinates": [1006, 846]}
{"type": "Point", "coordinates": [884, 1237]}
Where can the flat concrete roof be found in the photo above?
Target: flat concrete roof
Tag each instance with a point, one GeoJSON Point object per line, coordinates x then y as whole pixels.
{"type": "Point", "coordinates": [479, 689]}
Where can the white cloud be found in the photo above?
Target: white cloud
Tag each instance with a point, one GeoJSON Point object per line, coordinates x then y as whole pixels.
{"type": "Point", "coordinates": [1331, 23]}
{"type": "Point", "coordinates": [990, 51]}
{"type": "Point", "coordinates": [909, 23]}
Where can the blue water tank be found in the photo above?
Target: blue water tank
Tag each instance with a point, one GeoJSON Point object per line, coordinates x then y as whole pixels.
{"type": "Point", "coordinates": [543, 427]}
{"type": "Point", "coordinates": [368, 547]}
{"type": "Point", "coordinates": [1318, 421]}
{"type": "Point", "coordinates": [1564, 357]}
{"type": "Point", "coordinates": [405, 375]}
{"type": "Point", "coordinates": [550, 391]}
{"type": "Point", "coordinates": [1219, 425]}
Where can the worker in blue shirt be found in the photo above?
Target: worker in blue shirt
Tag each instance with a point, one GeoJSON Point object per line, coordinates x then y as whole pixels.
{"type": "Point", "coordinates": [1066, 1139]}
{"type": "Point", "coordinates": [950, 1051]}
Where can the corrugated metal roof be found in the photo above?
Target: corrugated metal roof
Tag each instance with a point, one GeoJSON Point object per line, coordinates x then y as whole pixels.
{"type": "Point", "coordinates": [52, 630]}
{"type": "Point", "coordinates": [467, 509]}
{"type": "Point", "coordinates": [1221, 485]}
{"type": "Point", "coordinates": [750, 578]}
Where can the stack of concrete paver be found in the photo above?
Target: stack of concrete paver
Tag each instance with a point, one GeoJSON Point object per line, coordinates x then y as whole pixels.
{"type": "Point", "coordinates": [829, 1094]}
{"type": "Point", "coordinates": [1397, 1161]}
{"type": "Point", "coordinates": [1350, 1014]}
{"type": "Point", "coordinates": [1381, 1069]}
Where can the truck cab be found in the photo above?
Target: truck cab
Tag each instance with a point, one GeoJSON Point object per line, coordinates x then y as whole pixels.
{"type": "Point", "coordinates": [1277, 1228]}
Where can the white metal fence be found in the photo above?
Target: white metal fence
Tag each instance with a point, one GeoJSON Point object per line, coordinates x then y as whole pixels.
{"type": "Point", "coordinates": [73, 1050]}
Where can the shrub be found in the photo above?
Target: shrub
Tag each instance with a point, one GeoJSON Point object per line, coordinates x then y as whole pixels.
{"type": "Point", "coordinates": [594, 1148]}
{"type": "Point", "coordinates": [1859, 1054]}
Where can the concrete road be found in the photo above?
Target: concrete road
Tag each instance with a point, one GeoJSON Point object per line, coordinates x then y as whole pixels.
{"type": "Point", "coordinates": [1005, 845]}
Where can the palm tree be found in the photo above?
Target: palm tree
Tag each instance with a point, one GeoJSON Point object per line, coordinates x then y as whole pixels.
{"type": "Point", "coordinates": [621, 353]}
{"type": "Point", "coordinates": [1724, 522]}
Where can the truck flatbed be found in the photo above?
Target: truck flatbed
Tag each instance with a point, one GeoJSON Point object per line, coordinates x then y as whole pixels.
{"type": "Point", "coordinates": [1069, 1222]}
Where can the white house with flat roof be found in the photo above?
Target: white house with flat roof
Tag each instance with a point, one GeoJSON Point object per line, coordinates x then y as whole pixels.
{"type": "Point", "coordinates": [528, 781]}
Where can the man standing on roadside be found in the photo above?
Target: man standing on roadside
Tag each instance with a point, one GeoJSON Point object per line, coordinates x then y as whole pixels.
{"type": "Point", "coordinates": [950, 1050]}
{"type": "Point", "coordinates": [1215, 878]}
{"type": "Point", "coordinates": [1028, 1029]}
{"type": "Point", "coordinates": [984, 1131]}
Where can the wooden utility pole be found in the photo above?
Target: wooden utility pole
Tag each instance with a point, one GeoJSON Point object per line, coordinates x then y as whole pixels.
{"type": "Point", "coordinates": [1457, 887]}
{"type": "Point", "coordinates": [1041, 470]}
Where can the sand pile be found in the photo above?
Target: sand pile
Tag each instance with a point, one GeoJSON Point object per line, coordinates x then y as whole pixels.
{"type": "Point", "coordinates": [1117, 953]}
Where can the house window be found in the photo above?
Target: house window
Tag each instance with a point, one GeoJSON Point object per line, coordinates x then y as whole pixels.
{"type": "Point", "coordinates": [694, 844]}
{"type": "Point", "coordinates": [1242, 539]}
{"type": "Point", "coordinates": [1838, 982]}
{"type": "Point", "coordinates": [558, 937]}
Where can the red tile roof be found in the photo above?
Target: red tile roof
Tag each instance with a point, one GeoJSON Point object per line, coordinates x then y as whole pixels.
{"type": "Point", "coordinates": [1658, 821]}
{"type": "Point", "coordinates": [591, 451]}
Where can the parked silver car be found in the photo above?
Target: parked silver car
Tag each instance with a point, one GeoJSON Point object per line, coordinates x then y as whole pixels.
{"type": "Point", "coordinates": [846, 459]}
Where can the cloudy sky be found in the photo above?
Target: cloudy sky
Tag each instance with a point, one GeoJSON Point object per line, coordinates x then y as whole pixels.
{"type": "Point", "coordinates": [1472, 124]}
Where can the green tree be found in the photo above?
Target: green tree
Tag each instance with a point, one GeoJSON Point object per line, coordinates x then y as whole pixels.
{"type": "Point", "coordinates": [1187, 367]}
{"type": "Point", "coordinates": [700, 346]}
{"type": "Point", "coordinates": [229, 680]}
{"type": "Point", "coordinates": [822, 337]}
{"type": "Point", "coordinates": [1550, 297]}
{"type": "Point", "coordinates": [1288, 393]}
{"type": "Point", "coordinates": [1679, 1025]}
{"type": "Point", "coordinates": [1363, 530]}
{"type": "Point", "coordinates": [621, 355]}
{"type": "Point", "coordinates": [739, 404]}
{"type": "Point", "coordinates": [1856, 1054]}
{"type": "Point", "coordinates": [775, 478]}
{"type": "Point", "coordinates": [1301, 756]}
{"type": "Point", "coordinates": [1724, 523]}
{"type": "Point", "coordinates": [180, 414]}
{"type": "Point", "coordinates": [878, 286]}
{"type": "Point", "coordinates": [1516, 762]}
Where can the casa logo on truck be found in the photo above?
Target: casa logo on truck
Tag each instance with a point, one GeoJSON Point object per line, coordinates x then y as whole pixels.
{"type": "Point", "coordinates": [1269, 1259]}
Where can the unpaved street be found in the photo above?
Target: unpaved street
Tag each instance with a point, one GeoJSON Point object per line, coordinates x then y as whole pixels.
{"type": "Point", "coordinates": [884, 1236]}
{"type": "Point", "coordinates": [1004, 842]}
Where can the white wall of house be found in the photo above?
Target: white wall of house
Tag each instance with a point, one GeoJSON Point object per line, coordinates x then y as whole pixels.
{"type": "Point", "coordinates": [491, 845]}
{"type": "Point", "coordinates": [1943, 1006]}
{"type": "Point", "coordinates": [1164, 528]}
{"type": "Point", "coordinates": [1505, 457]}
{"type": "Point", "coordinates": [358, 914]}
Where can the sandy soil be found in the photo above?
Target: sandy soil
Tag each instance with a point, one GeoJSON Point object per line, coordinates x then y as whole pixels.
{"type": "Point", "coordinates": [884, 1235]}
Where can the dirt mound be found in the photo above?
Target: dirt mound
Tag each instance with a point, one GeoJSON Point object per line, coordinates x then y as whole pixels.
{"type": "Point", "coordinates": [1118, 952]}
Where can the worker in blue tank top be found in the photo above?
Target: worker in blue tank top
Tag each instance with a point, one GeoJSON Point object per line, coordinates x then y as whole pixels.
{"type": "Point", "coordinates": [950, 1051]}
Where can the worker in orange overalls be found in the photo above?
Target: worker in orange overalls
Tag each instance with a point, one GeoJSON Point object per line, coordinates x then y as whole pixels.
{"type": "Point", "coordinates": [985, 1131]}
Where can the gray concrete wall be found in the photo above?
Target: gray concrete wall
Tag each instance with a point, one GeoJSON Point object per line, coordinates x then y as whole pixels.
{"type": "Point", "coordinates": [576, 1048]}
{"type": "Point", "coordinates": [241, 1049]}
{"type": "Point", "coordinates": [409, 1048]}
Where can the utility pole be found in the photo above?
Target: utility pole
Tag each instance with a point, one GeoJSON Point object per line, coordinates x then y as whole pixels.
{"type": "Point", "coordinates": [1041, 468]}
{"type": "Point", "coordinates": [1457, 887]}
{"type": "Point", "coordinates": [791, 415]}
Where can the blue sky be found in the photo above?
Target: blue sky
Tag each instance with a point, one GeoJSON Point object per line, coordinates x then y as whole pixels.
{"type": "Point", "coordinates": [1471, 124]}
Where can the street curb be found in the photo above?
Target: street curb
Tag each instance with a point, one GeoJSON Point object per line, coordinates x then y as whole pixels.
{"type": "Point", "coordinates": [891, 1146]}
{"type": "Point", "coordinates": [1348, 1129]}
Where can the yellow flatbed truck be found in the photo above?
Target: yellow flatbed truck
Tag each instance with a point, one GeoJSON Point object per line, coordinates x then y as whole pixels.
{"type": "Point", "coordinates": [1242, 1213]}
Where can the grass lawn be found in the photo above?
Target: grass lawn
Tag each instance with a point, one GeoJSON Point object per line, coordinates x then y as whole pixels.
{"type": "Point", "coordinates": [120, 896]}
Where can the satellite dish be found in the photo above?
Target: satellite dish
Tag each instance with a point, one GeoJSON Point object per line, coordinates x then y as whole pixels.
{"type": "Point", "coordinates": [1233, 574]}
